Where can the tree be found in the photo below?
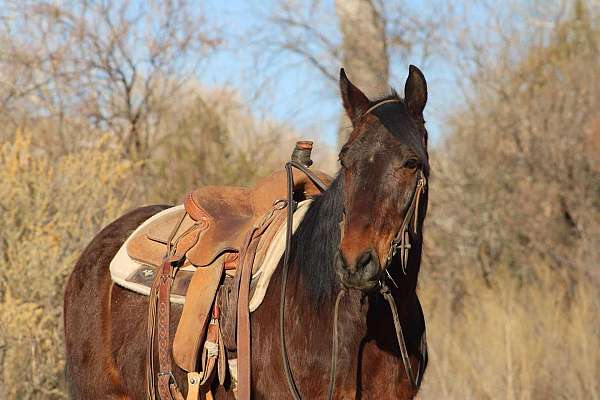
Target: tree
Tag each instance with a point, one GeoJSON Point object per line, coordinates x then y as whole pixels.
{"type": "Point", "coordinates": [364, 49]}
{"type": "Point", "coordinates": [369, 34]}
{"type": "Point", "coordinates": [214, 140]}
{"type": "Point", "coordinates": [99, 66]}
{"type": "Point", "coordinates": [517, 174]}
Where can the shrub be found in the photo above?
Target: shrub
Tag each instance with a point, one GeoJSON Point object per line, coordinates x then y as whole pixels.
{"type": "Point", "coordinates": [50, 209]}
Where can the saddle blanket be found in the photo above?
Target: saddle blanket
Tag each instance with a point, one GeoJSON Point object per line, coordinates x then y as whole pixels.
{"type": "Point", "coordinates": [123, 268]}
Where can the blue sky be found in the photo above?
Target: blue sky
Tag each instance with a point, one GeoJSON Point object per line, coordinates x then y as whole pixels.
{"type": "Point", "coordinates": [289, 90]}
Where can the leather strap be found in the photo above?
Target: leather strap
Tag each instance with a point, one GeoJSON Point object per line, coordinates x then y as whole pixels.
{"type": "Point", "coordinates": [196, 316]}
{"type": "Point", "coordinates": [286, 261]}
{"type": "Point", "coordinates": [210, 354]}
{"type": "Point", "coordinates": [243, 278]}
{"type": "Point", "coordinates": [380, 104]}
{"type": "Point", "coordinates": [243, 323]}
{"type": "Point", "coordinates": [414, 383]}
{"type": "Point", "coordinates": [166, 380]}
{"type": "Point", "coordinates": [193, 386]}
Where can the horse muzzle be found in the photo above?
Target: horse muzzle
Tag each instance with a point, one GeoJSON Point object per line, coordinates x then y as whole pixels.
{"type": "Point", "coordinates": [363, 274]}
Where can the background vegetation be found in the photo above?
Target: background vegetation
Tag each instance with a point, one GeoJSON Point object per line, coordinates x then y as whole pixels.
{"type": "Point", "coordinates": [91, 115]}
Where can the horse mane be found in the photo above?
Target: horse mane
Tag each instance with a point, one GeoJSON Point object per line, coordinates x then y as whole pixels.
{"type": "Point", "coordinates": [315, 244]}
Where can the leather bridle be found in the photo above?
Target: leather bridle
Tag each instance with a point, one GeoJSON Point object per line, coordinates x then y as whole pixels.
{"type": "Point", "coordinates": [400, 242]}
{"type": "Point", "coordinates": [402, 239]}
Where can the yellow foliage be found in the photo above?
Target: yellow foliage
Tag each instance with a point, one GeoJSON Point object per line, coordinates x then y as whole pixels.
{"type": "Point", "coordinates": [50, 209]}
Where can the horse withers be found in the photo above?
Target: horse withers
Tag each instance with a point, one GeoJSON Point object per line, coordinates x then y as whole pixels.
{"type": "Point", "coordinates": [361, 237]}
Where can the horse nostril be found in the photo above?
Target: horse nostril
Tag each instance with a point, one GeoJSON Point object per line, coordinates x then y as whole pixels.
{"type": "Point", "coordinates": [363, 260]}
{"type": "Point", "coordinates": [340, 261]}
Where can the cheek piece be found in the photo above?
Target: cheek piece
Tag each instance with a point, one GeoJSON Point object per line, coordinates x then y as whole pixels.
{"type": "Point", "coordinates": [402, 239]}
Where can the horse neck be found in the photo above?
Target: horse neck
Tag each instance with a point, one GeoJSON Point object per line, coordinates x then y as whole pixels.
{"type": "Point", "coordinates": [312, 289]}
{"type": "Point", "coordinates": [313, 280]}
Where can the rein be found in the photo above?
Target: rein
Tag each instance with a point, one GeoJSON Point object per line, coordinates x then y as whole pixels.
{"type": "Point", "coordinates": [401, 241]}
{"type": "Point", "coordinates": [286, 263]}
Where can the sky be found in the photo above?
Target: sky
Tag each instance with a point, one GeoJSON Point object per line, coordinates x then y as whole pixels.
{"type": "Point", "coordinates": [293, 92]}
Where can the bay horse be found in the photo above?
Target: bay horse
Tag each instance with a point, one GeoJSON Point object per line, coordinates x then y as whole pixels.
{"type": "Point", "coordinates": [344, 242]}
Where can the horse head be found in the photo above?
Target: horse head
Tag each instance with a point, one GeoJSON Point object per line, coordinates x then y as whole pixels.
{"type": "Point", "coordinates": [384, 168]}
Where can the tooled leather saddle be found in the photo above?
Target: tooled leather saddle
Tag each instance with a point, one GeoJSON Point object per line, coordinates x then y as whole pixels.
{"type": "Point", "coordinates": [217, 239]}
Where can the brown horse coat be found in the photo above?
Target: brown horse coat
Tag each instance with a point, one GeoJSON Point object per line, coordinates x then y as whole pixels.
{"type": "Point", "coordinates": [105, 325]}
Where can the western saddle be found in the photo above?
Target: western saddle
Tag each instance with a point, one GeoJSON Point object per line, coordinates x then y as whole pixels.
{"type": "Point", "coordinates": [221, 234]}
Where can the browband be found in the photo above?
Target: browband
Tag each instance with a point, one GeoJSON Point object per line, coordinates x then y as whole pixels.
{"type": "Point", "coordinates": [370, 109]}
{"type": "Point", "coordinates": [373, 107]}
{"type": "Point", "coordinates": [380, 104]}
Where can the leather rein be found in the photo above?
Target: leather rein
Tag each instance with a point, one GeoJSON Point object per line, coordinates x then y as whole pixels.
{"type": "Point", "coordinates": [400, 242]}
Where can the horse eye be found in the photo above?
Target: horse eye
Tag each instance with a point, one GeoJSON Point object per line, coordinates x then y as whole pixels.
{"type": "Point", "coordinates": [411, 163]}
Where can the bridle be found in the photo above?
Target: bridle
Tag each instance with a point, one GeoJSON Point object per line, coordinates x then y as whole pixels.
{"type": "Point", "coordinates": [400, 242]}
{"type": "Point", "coordinates": [402, 239]}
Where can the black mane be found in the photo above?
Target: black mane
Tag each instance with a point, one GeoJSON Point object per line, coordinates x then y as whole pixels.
{"type": "Point", "coordinates": [315, 244]}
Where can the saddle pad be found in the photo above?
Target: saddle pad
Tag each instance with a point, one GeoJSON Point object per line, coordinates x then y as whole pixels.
{"type": "Point", "coordinates": [136, 276]}
{"type": "Point", "coordinates": [262, 276]}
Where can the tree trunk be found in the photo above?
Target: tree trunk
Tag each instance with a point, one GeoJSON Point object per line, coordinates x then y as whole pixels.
{"type": "Point", "coordinates": [364, 50]}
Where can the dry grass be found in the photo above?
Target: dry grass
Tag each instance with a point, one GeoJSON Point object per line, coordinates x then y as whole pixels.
{"type": "Point", "coordinates": [537, 338]}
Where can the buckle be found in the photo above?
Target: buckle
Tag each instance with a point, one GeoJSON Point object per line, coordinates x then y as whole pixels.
{"type": "Point", "coordinates": [168, 373]}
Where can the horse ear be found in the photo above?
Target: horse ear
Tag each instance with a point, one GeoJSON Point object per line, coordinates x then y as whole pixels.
{"type": "Point", "coordinates": [415, 92]}
{"type": "Point", "coordinates": [355, 101]}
